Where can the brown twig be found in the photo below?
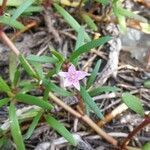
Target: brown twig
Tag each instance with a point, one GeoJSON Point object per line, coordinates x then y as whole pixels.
{"type": "Point", "coordinates": [85, 118]}
{"type": "Point", "coordinates": [2, 8]}
{"type": "Point", "coordinates": [137, 129]}
{"type": "Point", "coordinates": [9, 43]}
{"type": "Point", "coordinates": [27, 27]}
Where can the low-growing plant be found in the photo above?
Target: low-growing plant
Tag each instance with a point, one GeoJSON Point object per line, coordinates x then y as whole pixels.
{"type": "Point", "coordinates": [38, 108]}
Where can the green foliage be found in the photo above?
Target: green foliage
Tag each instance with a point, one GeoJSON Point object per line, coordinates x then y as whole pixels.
{"type": "Point", "coordinates": [41, 59]}
{"type": "Point", "coordinates": [12, 66]}
{"type": "Point", "coordinates": [3, 86]}
{"type": "Point", "coordinates": [104, 2]}
{"type": "Point", "coordinates": [122, 13]}
{"type": "Point", "coordinates": [94, 74]}
{"type": "Point", "coordinates": [33, 125]}
{"type": "Point", "coordinates": [15, 129]}
{"type": "Point", "coordinates": [88, 100]}
{"type": "Point", "coordinates": [90, 22]}
{"type": "Point", "coordinates": [70, 20]}
{"type": "Point", "coordinates": [6, 20]}
{"type": "Point", "coordinates": [22, 8]}
{"type": "Point", "coordinates": [133, 103]}
{"type": "Point", "coordinates": [27, 66]}
{"type": "Point", "coordinates": [79, 41]}
{"type": "Point", "coordinates": [102, 89]}
{"type": "Point", "coordinates": [53, 87]}
{"type": "Point", "coordinates": [147, 84]}
{"type": "Point", "coordinates": [146, 146]}
{"type": "Point", "coordinates": [4, 102]}
{"type": "Point", "coordinates": [60, 129]}
{"type": "Point", "coordinates": [33, 100]}
{"type": "Point", "coordinates": [88, 46]}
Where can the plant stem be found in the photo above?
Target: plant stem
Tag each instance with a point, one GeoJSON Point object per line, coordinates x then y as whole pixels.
{"type": "Point", "coordinates": [9, 43]}
{"type": "Point", "coordinates": [85, 118]}
{"type": "Point", "coordinates": [137, 129]}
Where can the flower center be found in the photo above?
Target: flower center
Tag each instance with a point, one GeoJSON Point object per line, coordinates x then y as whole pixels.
{"type": "Point", "coordinates": [72, 76]}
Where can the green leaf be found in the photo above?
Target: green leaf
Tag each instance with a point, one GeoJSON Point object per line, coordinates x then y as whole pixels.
{"type": "Point", "coordinates": [80, 38]}
{"type": "Point", "coordinates": [94, 74]}
{"type": "Point", "coordinates": [133, 103]}
{"type": "Point", "coordinates": [4, 102]}
{"type": "Point", "coordinates": [41, 59]}
{"type": "Point", "coordinates": [88, 46]}
{"type": "Point", "coordinates": [58, 55]}
{"type": "Point", "coordinates": [70, 20]}
{"type": "Point", "coordinates": [104, 2]}
{"type": "Point", "coordinates": [12, 66]}
{"type": "Point", "coordinates": [53, 87]}
{"type": "Point", "coordinates": [15, 129]}
{"type": "Point", "coordinates": [6, 20]}
{"type": "Point", "coordinates": [146, 146]}
{"type": "Point", "coordinates": [13, 2]}
{"type": "Point", "coordinates": [102, 89]}
{"type": "Point", "coordinates": [3, 86]}
{"type": "Point", "coordinates": [60, 129]}
{"type": "Point", "coordinates": [16, 77]}
{"type": "Point", "coordinates": [39, 70]}
{"type": "Point", "coordinates": [147, 84]}
{"type": "Point", "coordinates": [79, 41]}
{"type": "Point", "coordinates": [22, 8]}
{"type": "Point", "coordinates": [88, 100]}
{"type": "Point", "coordinates": [33, 100]}
{"type": "Point", "coordinates": [90, 22]}
{"type": "Point", "coordinates": [127, 13]}
{"type": "Point", "coordinates": [33, 125]}
{"type": "Point", "coordinates": [33, 9]}
{"type": "Point", "coordinates": [2, 141]}
{"type": "Point", "coordinates": [27, 66]}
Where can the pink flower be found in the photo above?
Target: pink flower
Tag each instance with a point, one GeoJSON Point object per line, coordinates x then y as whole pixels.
{"type": "Point", "coordinates": [72, 77]}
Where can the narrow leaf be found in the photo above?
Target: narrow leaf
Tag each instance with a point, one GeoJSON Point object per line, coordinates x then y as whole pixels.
{"type": "Point", "coordinates": [22, 8]}
{"type": "Point", "coordinates": [15, 129]}
{"type": "Point", "coordinates": [94, 74]}
{"type": "Point", "coordinates": [70, 20]}
{"type": "Point", "coordinates": [3, 86]}
{"type": "Point", "coordinates": [88, 46]}
{"type": "Point", "coordinates": [58, 55]}
{"type": "Point", "coordinates": [4, 102]}
{"type": "Point", "coordinates": [27, 66]}
{"type": "Point", "coordinates": [60, 129]}
{"type": "Point", "coordinates": [41, 59]}
{"type": "Point", "coordinates": [33, 125]}
{"type": "Point", "coordinates": [79, 41]}
{"type": "Point", "coordinates": [12, 66]}
{"type": "Point", "coordinates": [6, 20]}
{"type": "Point", "coordinates": [102, 89]}
{"type": "Point", "coordinates": [88, 100]}
{"type": "Point", "coordinates": [53, 87]}
{"type": "Point", "coordinates": [25, 98]}
{"type": "Point", "coordinates": [133, 103]}
{"type": "Point", "coordinates": [147, 84]}
{"type": "Point", "coordinates": [89, 22]}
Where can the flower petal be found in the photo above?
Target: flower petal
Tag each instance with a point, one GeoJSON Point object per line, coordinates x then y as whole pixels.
{"type": "Point", "coordinates": [63, 74]}
{"type": "Point", "coordinates": [77, 85]}
{"type": "Point", "coordinates": [67, 83]}
{"type": "Point", "coordinates": [72, 69]}
{"type": "Point", "coordinates": [81, 74]}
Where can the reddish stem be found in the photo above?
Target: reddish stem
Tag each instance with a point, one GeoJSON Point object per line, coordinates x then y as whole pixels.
{"type": "Point", "coordinates": [145, 122]}
{"type": "Point", "coordinates": [2, 8]}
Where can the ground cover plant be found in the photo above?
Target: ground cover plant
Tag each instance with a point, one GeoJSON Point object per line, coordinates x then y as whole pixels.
{"type": "Point", "coordinates": [67, 88]}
